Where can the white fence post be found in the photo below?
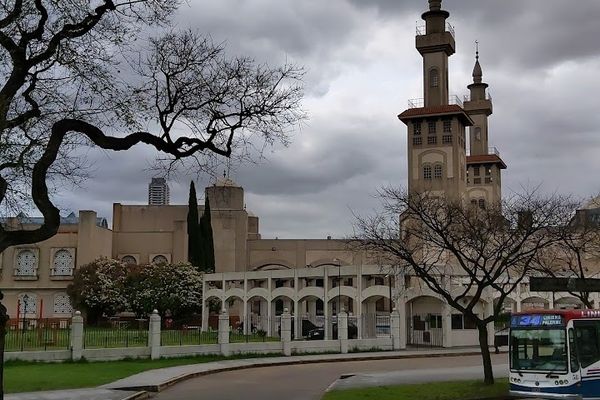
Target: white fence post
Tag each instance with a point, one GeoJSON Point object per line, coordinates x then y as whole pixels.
{"type": "Point", "coordinates": [77, 336]}
{"type": "Point", "coordinates": [224, 333]}
{"type": "Point", "coordinates": [154, 335]}
{"type": "Point", "coordinates": [342, 321]}
{"type": "Point", "coordinates": [286, 332]}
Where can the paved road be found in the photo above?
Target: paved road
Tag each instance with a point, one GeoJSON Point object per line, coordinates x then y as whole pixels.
{"type": "Point", "coordinates": [302, 382]}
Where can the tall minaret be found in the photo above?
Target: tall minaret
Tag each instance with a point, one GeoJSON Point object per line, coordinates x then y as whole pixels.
{"type": "Point", "coordinates": [479, 108]}
{"type": "Point", "coordinates": [436, 128]}
{"type": "Point", "coordinates": [484, 164]}
{"type": "Point", "coordinates": [436, 45]}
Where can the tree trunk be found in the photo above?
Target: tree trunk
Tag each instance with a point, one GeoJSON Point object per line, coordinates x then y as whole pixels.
{"type": "Point", "coordinates": [488, 373]}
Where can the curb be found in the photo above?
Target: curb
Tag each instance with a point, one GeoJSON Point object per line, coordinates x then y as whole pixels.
{"type": "Point", "coordinates": [170, 382]}
{"type": "Point", "coordinates": [137, 396]}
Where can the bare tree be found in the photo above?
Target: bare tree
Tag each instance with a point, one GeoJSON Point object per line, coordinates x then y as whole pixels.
{"type": "Point", "coordinates": [464, 254]}
{"type": "Point", "coordinates": [575, 252]}
{"type": "Point", "coordinates": [72, 74]}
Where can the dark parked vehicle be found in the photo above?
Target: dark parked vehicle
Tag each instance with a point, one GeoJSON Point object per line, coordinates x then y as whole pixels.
{"type": "Point", "coordinates": [307, 327]}
{"type": "Point", "coordinates": [319, 332]}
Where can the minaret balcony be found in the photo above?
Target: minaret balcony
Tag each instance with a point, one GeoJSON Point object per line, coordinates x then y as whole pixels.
{"type": "Point", "coordinates": [420, 102]}
{"type": "Point", "coordinates": [421, 29]}
{"type": "Point", "coordinates": [488, 96]}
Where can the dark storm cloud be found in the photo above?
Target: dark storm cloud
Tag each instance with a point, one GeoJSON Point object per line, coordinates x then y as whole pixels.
{"type": "Point", "coordinates": [540, 58]}
{"type": "Point", "coordinates": [530, 34]}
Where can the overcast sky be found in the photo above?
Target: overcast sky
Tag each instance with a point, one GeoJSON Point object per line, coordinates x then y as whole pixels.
{"type": "Point", "coordinates": [540, 57]}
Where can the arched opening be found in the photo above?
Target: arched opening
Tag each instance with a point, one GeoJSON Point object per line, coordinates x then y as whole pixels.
{"type": "Point", "coordinates": [375, 317]}
{"type": "Point", "coordinates": [568, 303]}
{"type": "Point", "coordinates": [535, 303]}
{"type": "Point", "coordinates": [424, 321]}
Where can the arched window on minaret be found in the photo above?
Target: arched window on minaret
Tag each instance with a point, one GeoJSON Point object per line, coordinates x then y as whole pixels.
{"type": "Point", "coordinates": [427, 172]}
{"type": "Point", "coordinates": [437, 171]}
{"type": "Point", "coordinates": [434, 77]}
{"type": "Point", "coordinates": [482, 204]}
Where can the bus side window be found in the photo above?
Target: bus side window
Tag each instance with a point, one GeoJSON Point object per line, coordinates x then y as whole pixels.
{"type": "Point", "coordinates": [573, 350]}
{"type": "Point", "coordinates": [586, 333]}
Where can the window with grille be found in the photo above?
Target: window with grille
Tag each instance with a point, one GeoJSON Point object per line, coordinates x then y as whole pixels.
{"type": "Point", "coordinates": [477, 181]}
{"type": "Point", "coordinates": [417, 141]}
{"type": "Point", "coordinates": [448, 126]}
{"type": "Point", "coordinates": [160, 259]}
{"type": "Point", "coordinates": [129, 260]}
{"type": "Point", "coordinates": [427, 172]}
{"type": "Point", "coordinates": [26, 263]}
{"type": "Point", "coordinates": [482, 204]}
{"type": "Point", "coordinates": [434, 78]}
{"type": "Point", "coordinates": [476, 171]}
{"type": "Point", "coordinates": [417, 128]}
{"type": "Point", "coordinates": [488, 179]}
{"type": "Point", "coordinates": [27, 303]}
{"type": "Point", "coordinates": [63, 263]}
{"type": "Point", "coordinates": [447, 139]}
{"type": "Point", "coordinates": [437, 171]}
{"type": "Point", "coordinates": [62, 304]}
{"type": "Point", "coordinates": [432, 140]}
{"type": "Point", "coordinates": [431, 126]}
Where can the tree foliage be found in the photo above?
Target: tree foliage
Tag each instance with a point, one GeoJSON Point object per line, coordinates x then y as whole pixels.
{"type": "Point", "coordinates": [74, 73]}
{"type": "Point", "coordinates": [206, 239]}
{"type": "Point", "coordinates": [100, 288]}
{"type": "Point", "coordinates": [176, 288]}
{"type": "Point", "coordinates": [575, 253]}
{"type": "Point", "coordinates": [465, 254]}
{"type": "Point", "coordinates": [106, 287]}
{"type": "Point", "coordinates": [194, 250]}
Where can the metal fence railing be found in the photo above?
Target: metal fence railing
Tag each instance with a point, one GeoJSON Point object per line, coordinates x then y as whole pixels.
{"type": "Point", "coordinates": [38, 334]}
{"type": "Point", "coordinates": [375, 326]}
{"type": "Point", "coordinates": [187, 336]}
{"type": "Point", "coordinates": [120, 334]}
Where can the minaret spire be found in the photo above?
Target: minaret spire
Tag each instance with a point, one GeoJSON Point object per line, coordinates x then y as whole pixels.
{"type": "Point", "coordinates": [477, 72]}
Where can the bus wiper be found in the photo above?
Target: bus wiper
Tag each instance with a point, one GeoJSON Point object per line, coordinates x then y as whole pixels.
{"type": "Point", "coordinates": [553, 371]}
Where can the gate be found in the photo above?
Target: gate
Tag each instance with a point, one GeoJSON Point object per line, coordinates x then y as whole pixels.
{"type": "Point", "coordinates": [425, 331]}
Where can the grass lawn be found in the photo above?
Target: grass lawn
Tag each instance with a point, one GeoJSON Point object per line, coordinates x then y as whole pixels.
{"type": "Point", "coordinates": [427, 391]}
{"type": "Point", "coordinates": [29, 377]}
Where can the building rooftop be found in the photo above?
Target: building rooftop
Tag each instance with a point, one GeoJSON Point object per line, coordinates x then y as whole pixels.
{"type": "Point", "coordinates": [70, 219]}
{"type": "Point", "coordinates": [486, 159]}
{"type": "Point", "coordinates": [450, 109]}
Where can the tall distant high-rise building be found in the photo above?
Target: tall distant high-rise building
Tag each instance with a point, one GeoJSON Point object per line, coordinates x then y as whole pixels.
{"type": "Point", "coordinates": [158, 192]}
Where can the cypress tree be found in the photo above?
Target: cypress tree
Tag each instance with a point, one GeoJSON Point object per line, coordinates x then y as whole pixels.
{"type": "Point", "coordinates": [194, 245]}
{"type": "Point", "coordinates": [206, 237]}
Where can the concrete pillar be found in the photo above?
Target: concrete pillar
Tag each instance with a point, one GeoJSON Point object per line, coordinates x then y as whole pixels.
{"type": "Point", "coordinates": [154, 335]}
{"type": "Point", "coordinates": [77, 336]}
{"type": "Point", "coordinates": [446, 325]}
{"type": "Point", "coordinates": [401, 309]}
{"type": "Point", "coordinates": [246, 318]}
{"type": "Point", "coordinates": [286, 332]}
{"type": "Point", "coordinates": [396, 330]}
{"type": "Point", "coordinates": [326, 309]}
{"type": "Point", "coordinates": [342, 326]}
{"type": "Point", "coordinates": [270, 308]}
{"type": "Point", "coordinates": [224, 333]}
{"type": "Point", "coordinates": [205, 307]}
{"type": "Point", "coordinates": [297, 320]}
{"type": "Point", "coordinates": [358, 311]}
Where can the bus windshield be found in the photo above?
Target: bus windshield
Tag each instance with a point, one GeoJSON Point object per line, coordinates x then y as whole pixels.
{"type": "Point", "coordinates": [538, 350]}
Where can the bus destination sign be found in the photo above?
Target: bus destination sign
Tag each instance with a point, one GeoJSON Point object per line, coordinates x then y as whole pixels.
{"type": "Point", "coordinates": [533, 320]}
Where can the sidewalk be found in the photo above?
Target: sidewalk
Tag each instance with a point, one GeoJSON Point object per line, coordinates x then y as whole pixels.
{"type": "Point", "coordinates": [159, 379]}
